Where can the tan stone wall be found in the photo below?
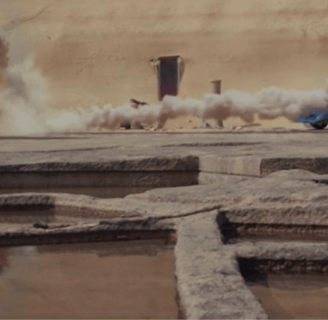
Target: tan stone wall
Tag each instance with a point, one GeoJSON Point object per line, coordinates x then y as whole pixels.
{"type": "Point", "coordinates": [98, 51]}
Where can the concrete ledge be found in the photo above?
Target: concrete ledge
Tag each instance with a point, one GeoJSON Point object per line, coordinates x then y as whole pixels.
{"type": "Point", "coordinates": [78, 206]}
{"type": "Point", "coordinates": [144, 172]}
{"type": "Point", "coordinates": [189, 163]}
{"type": "Point", "coordinates": [113, 230]}
{"type": "Point", "coordinates": [207, 178]}
{"type": "Point", "coordinates": [248, 166]}
{"type": "Point", "coordinates": [66, 179]}
{"type": "Point", "coordinates": [285, 214]}
{"type": "Point", "coordinates": [153, 172]}
{"type": "Point", "coordinates": [90, 207]}
{"type": "Point", "coordinates": [260, 166]}
{"type": "Point", "coordinates": [316, 165]}
{"type": "Point", "coordinates": [287, 250]}
{"type": "Point", "coordinates": [209, 283]}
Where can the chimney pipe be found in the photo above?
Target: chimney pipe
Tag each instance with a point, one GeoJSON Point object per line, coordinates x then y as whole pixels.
{"type": "Point", "coordinates": [217, 89]}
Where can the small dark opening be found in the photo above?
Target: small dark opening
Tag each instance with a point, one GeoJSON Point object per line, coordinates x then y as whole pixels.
{"type": "Point", "coordinates": [234, 232]}
{"type": "Point", "coordinates": [168, 76]}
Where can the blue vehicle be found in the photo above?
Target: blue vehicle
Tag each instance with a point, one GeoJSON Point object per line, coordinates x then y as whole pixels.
{"type": "Point", "coordinates": [317, 119]}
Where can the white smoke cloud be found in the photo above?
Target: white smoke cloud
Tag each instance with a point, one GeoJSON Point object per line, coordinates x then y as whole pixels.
{"type": "Point", "coordinates": [269, 103]}
{"type": "Point", "coordinates": [23, 106]}
{"type": "Point", "coordinates": [21, 103]}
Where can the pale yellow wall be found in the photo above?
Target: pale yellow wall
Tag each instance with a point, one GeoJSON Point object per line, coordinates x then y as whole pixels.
{"type": "Point", "coordinates": [98, 51]}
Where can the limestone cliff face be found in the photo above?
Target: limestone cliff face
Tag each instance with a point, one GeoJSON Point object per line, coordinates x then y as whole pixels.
{"type": "Point", "coordinates": [93, 52]}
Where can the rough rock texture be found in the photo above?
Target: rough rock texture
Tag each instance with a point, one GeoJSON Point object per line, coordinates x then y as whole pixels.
{"type": "Point", "coordinates": [209, 281]}
{"type": "Point", "coordinates": [248, 153]}
{"type": "Point", "coordinates": [275, 251]}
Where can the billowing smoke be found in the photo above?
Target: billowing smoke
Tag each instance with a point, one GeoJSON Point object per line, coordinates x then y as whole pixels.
{"type": "Point", "coordinates": [23, 105]}
{"type": "Point", "coordinates": [22, 101]}
{"type": "Point", "coordinates": [24, 98]}
{"type": "Point", "coordinates": [112, 118]}
{"type": "Point", "coordinates": [269, 103]}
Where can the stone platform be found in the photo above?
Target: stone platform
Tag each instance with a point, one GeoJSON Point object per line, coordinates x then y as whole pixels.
{"type": "Point", "coordinates": [264, 177]}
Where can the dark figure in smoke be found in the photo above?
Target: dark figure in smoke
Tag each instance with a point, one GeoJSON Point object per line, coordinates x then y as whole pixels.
{"type": "Point", "coordinates": [137, 125]}
{"type": "Point", "coordinates": [135, 103]}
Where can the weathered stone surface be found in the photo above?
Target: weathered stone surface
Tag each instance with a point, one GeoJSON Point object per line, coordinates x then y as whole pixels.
{"type": "Point", "coordinates": [296, 213]}
{"type": "Point", "coordinates": [315, 164]}
{"type": "Point", "coordinates": [94, 179]}
{"type": "Point", "coordinates": [275, 251]}
{"type": "Point", "coordinates": [223, 152]}
{"type": "Point", "coordinates": [247, 165]}
{"type": "Point", "coordinates": [254, 191]}
{"type": "Point", "coordinates": [188, 163]}
{"type": "Point", "coordinates": [209, 283]}
{"type": "Point", "coordinates": [115, 229]}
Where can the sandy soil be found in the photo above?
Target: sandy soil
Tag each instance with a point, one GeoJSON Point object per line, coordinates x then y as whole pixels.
{"type": "Point", "coordinates": [195, 124]}
{"type": "Point", "coordinates": [97, 52]}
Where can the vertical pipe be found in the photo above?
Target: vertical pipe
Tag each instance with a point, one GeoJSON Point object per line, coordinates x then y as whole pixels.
{"type": "Point", "coordinates": [216, 86]}
{"type": "Point", "coordinates": [217, 89]}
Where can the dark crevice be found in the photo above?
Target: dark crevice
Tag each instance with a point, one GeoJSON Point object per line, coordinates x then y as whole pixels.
{"type": "Point", "coordinates": [25, 239]}
{"type": "Point", "coordinates": [252, 268]}
{"type": "Point", "coordinates": [235, 232]}
{"type": "Point", "coordinates": [321, 181]}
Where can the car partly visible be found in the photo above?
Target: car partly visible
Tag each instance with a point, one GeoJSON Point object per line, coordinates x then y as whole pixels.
{"type": "Point", "coordinates": [317, 119]}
